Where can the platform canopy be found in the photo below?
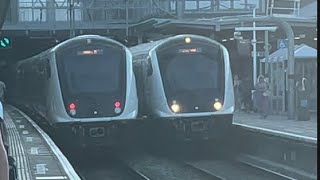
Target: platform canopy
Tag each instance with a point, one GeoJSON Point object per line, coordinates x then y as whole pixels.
{"type": "Point", "coordinates": [217, 23]}
{"type": "Point", "coordinates": [309, 10]}
{"type": "Point", "coordinates": [301, 52]}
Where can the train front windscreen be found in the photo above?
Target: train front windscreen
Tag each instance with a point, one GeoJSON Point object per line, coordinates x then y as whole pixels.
{"type": "Point", "coordinates": [92, 79]}
{"type": "Point", "coordinates": [192, 75]}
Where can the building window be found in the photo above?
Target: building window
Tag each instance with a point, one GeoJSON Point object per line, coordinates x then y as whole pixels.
{"type": "Point", "coordinates": [190, 5]}
{"type": "Point", "coordinates": [206, 5]}
{"type": "Point", "coordinates": [32, 10]}
{"type": "Point", "coordinates": [225, 4]}
{"type": "Point", "coordinates": [173, 5]}
{"type": "Point", "coordinates": [37, 10]}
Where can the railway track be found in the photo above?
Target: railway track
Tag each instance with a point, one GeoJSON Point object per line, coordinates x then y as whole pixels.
{"type": "Point", "coordinates": [145, 166]}
{"type": "Point", "coordinates": [220, 162]}
{"type": "Point", "coordinates": [204, 171]}
{"type": "Point", "coordinates": [116, 172]}
{"type": "Point", "coordinates": [101, 165]}
{"type": "Point", "coordinates": [137, 174]}
{"type": "Point", "coordinates": [235, 170]}
{"type": "Point", "coordinates": [156, 168]}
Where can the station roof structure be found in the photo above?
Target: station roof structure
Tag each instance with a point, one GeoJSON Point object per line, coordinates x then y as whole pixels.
{"type": "Point", "coordinates": [301, 52]}
{"type": "Point", "coordinates": [3, 9]}
{"type": "Point", "coordinates": [309, 10]}
{"type": "Point", "coordinates": [216, 24]}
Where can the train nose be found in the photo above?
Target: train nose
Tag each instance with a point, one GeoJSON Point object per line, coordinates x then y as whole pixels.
{"type": "Point", "coordinates": [96, 132]}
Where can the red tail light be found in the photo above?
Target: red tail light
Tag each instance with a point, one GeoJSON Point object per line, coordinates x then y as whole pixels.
{"type": "Point", "coordinates": [72, 106]}
{"type": "Point", "coordinates": [117, 104]}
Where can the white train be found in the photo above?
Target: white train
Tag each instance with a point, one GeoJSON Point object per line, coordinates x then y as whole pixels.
{"type": "Point", "coordinates": [185, 86]}
{"type": "Point", "coordinates": [84, 85]}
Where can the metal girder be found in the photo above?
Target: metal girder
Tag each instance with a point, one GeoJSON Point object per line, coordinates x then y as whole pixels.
{"type": "Point", "coordinates": [224, 23]}
{"type": "Point", "coordinates": [4, 5]}
{"type": "Point", "coordinates": [273, 29]}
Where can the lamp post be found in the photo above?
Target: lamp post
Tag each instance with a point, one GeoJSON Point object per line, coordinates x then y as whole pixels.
{"type": "Point", "coordinates": [127, 19]}
{"type": "Point", "coordinates": [72, 18]}
{"type": "Point", "coordinates": [254, 43]}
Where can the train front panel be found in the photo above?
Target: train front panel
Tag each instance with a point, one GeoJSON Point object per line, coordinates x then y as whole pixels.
{"type": "Point", "coordinates": [191, 89]}
{"type": "Point", "coordinates": [92, 91]}
{"type": "Point", "coordinates": [92, 79]}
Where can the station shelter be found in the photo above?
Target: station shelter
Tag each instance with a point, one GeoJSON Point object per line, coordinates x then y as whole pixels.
{"type": "Point", "coordinates": [305, 67]}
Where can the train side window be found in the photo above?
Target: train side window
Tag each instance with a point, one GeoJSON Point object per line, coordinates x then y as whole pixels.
{"type": "Point", "coordinates": [48, 68]}
{"type": "Point", "coordinates": [149, 66]}
{"type": "Point", "coordinates": [44, 69]}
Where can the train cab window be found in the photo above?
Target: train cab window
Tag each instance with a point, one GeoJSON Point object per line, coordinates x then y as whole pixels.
{"type": "Point", "coordinates": [192, 75]}
{"type": "Point", "coordinates": [86, 72]}
{"type": "Point", "coordinates": [192, 68]}
{"type": "Point", "coordinates": [92, 75]}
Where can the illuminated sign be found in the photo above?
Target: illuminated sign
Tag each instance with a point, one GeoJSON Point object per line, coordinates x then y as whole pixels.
{"type": "Point", "coordinates": [5, 42]}
{"type": "Point", "coordinates": [90, 52]}
{"type": "Point", "coordinates": [190, 50]}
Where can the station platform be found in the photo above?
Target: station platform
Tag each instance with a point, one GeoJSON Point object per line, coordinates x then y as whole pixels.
{"type": "Point", "coordinates": [279, 125]}
{"type": "Point", "coordinates": [36, 155]}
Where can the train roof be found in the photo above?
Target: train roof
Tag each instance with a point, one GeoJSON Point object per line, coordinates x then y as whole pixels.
{"type": "Point", "coordinates": [60, 45]}
{"type": "Point", "coordinates": [84, 37]}
{"type": "Point", "coordinates": [146, 47]}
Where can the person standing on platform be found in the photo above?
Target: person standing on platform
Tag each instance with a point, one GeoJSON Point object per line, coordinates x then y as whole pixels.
{"type": "Point", "coordinates": [245, 89]}
{"type": "Point", "coordinates": [237, 98]}
{"type": "Point", "coordinates": [2, 90]}
{"type": "Point", "coordinates": [4, 165]}
{"type": "Point", "coordinates": [261, 97]}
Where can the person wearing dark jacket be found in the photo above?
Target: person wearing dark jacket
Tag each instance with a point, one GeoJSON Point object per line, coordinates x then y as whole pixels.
{"type": "Point", "coordinates": [245, 91]}
{"type": "Point", "coordinates": [237, 96]}
{"type": "Point", "coordinates": [261, 97]}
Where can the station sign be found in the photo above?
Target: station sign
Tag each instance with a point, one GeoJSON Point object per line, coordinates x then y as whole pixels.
{"type": "Point", "coordinates": [5, 42]}
{"type": "Point", "coordinates": [282, 43]}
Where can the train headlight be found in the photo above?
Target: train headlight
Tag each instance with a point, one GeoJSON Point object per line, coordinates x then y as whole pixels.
{"type": "Point", "coordinates": [175, 107]}
{"type": "Point", "coordinates": [217, 105]}
{"type": "Point", "coordinates": [187, 40]}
